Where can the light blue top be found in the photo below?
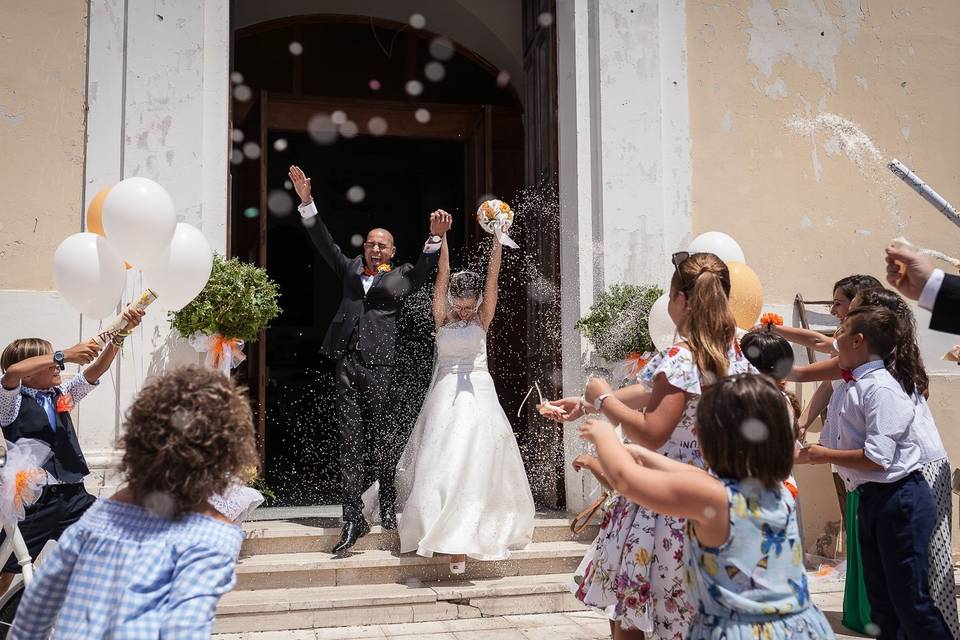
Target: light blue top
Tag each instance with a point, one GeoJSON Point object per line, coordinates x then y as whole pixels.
{"type": "Point", "coordinates": [872, 412]}
{"type": "Point", "coordinates": [123, 572]}
{"type": "Point", "coordinates": [755, 585]}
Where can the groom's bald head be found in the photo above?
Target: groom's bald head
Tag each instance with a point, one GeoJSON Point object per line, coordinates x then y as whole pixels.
{"type": "Point", "coordinates": [379, 248]}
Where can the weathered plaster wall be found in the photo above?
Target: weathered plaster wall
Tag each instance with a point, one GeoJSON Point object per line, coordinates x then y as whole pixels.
{"type": "Point", "coordinates": [795, 106]}
{"type": "Point", "coordinates": [805, 212]}
{"type": "Point", "coordinates": [624, 161]}
{"type": "Point", "coordinates": [42, 88]}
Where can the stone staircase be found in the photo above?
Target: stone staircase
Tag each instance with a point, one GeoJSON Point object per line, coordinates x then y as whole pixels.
{"type": "Point", "coordinates": [286, 579]}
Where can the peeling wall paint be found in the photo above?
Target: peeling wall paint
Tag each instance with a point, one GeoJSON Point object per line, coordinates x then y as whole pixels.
{"type": "Point", "coordinates": [803, 186]}
{"type": "Point", "coordinates": [41, 134]}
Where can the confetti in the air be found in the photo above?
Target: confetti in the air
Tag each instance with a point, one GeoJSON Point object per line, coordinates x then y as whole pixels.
{"type": "Point", "coordinates": [321, 128]}
{"type": "Point", "coordinates": [434, 71]}
{"type": "Point", "coordinates": [296, 48]}
{"type": "Point", "coordinates": [441, 48]}
{"type": "Point", "coordinates": [417, 21]}
{"type": "Point", "coordinates": [377, 126]}
{"type": "Point", "coordinates": [356, 194]}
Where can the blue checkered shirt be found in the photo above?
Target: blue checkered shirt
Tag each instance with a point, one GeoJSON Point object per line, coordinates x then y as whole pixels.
{"type": "Point", "coordinates": [122, 572]}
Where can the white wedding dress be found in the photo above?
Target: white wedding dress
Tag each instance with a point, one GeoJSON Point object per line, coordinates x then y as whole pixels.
{"type": "Point", "coordinates": [461, 484]}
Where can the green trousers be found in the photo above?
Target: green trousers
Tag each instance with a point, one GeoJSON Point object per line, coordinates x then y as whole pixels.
{"type": "Point", "coordinates": [856, 606]}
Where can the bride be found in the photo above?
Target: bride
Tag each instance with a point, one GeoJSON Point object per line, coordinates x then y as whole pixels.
{"type": "Point", "coordinates": [461, 486]}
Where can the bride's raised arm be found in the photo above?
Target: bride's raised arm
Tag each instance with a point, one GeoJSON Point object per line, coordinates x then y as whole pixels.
{"type": "Point", "coordinates": [489, 305]}
{"type": "Point", "coordinates": [440, 286]}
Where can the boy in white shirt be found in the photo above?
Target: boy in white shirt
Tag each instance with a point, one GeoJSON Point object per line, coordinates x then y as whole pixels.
{"type": "Point", "coordinates": [876, 450]}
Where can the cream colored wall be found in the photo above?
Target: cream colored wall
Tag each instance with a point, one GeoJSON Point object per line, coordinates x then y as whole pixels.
{"type": "Point", "coordinates": [803, 211]}
{"type": "Point", "coordinates": [810, 205]}
{"type": "Point", "coordinates": [42, 95]}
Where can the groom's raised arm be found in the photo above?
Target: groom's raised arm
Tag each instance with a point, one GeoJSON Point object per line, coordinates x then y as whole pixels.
{"type": "Point", "coordinates": [318, 231]}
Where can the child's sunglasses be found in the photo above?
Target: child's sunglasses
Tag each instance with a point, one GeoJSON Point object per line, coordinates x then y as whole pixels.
{"type": "Point", "coordinates": [679, 258]}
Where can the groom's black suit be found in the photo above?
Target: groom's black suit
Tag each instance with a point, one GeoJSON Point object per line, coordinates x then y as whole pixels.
{"type": "Point", "coordinates": [362, 340]}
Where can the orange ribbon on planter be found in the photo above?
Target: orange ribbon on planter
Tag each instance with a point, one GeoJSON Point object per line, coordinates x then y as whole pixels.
{"type": "Point", "coordinates": [223, 353]}
{"type": "Point", "coordinates": [636, 362]}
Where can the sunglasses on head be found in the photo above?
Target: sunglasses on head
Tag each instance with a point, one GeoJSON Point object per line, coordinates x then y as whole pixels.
{"type": "Point", "coordinates": [679, 258]}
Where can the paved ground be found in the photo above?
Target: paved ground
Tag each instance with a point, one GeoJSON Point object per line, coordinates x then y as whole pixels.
{"type": "Point", "coordinates": [548, 626]}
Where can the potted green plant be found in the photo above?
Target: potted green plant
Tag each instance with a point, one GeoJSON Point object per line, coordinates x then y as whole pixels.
{"type": "Point", "coordinates": [616, 325]}
{"type": "Point", "coordinates": [238, 301]}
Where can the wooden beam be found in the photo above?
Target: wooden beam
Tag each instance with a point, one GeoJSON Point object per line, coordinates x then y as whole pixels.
{"type": "Point", "coordinates": [447, 121]}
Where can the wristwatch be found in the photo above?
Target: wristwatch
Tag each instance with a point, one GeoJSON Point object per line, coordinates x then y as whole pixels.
{"type": "Point", "coordinates": [58, 359]}
{"type": "Point", "coordinates": [598, 402]}
{"type": "Point", "coordinates": [434, 239]}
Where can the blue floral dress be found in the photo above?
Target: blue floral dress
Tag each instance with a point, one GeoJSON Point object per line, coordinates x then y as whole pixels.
{"type": "Point", "coordinates": [754, 587]}
{"type": "Point", "coordinates": [634, 570]}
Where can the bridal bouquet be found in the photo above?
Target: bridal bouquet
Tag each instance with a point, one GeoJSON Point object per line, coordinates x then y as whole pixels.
{"type": "Point", "coordinates": [496, 217]}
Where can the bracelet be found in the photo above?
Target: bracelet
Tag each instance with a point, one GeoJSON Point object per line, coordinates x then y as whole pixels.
{"type": "Point", "coordinates": [117, 341]}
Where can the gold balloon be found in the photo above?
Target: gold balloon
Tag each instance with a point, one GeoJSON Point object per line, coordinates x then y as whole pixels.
{"type": "Point", "coordinates": [746, 294]}
{"type": "Point", "coordinates": [95, 213]}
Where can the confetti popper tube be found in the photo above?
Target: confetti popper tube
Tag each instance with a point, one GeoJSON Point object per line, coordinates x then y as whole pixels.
{"type": "Point", "coordinates": [924, 190]}
{"type": "Point", "coordinates": [116, 325]}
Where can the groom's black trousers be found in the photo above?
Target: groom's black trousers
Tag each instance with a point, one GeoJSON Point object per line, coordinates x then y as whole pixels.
{"type": "Point", "coordinates": [365, 406]}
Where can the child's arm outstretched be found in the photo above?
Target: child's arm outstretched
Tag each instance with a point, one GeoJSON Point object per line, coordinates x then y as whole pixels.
{"type": "Point", "coordinates": [818, 402]}
{"type": "Point", "coordinates": [440, 286]}
{"type": "Point", "coordinates": [80, 353]}
{"type": "Point", "coordinates": [888, 416]}
{"type": "Point", "coordinates": [662, 485]}
{"type": "Point", "coordinates": [651, 427]}
{"type": "Point", "coordinates": [490, 290]}
{"type": "Point", "coordinates": [803, 337]}
{"type": "Point", "coordinates": [635, 396]}
{"type": "Point", "coordinates": [820, 371]}
{"type": "Point", "coordinates": [41, 603]}
{"type": "Point", "coordinates": [102, 364]}
{"type": "Point", "coordinates": [591, 464]}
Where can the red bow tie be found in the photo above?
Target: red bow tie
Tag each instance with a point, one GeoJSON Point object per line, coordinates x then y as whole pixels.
{"type": "Point", "coordinates": [367, 271]}
{"type": "Point", "coordinates": [847, 375]}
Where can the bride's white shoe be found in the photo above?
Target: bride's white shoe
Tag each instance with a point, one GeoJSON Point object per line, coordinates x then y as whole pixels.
{"type": "Point", "coordinates": [456, 568]}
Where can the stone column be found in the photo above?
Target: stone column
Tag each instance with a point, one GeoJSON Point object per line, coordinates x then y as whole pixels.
{"type": "Point", "coordinates": [624, 163]}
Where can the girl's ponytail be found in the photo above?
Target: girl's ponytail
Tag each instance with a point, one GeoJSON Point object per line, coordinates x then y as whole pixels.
{"type": "Point", "coordinates": [711, 327]}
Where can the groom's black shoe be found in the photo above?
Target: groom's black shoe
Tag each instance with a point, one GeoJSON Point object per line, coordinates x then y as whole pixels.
{"type": "Point", "coordinates": [388, 519]}
{"type": "Point", "coordinates": [349, 534]}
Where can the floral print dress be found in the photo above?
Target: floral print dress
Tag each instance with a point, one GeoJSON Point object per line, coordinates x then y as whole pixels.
{"type": "Point", "coordinates": [754, 586]}
{"type": "Point", "coordinates": [634, 569]}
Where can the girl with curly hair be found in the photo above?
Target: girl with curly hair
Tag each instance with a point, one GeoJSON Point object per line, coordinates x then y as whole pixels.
{"type": "Point", "coordinates": [153, 560]}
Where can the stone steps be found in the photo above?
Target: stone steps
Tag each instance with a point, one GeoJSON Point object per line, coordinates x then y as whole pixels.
{"type": "Point", "coordinates": [287, 579]}
{"type": "Point", "coordinates": [382, 566]}
{"type": "Point", "coordinates": [316, 535]}
{"type": "Point", "coordinates": [282, 609]}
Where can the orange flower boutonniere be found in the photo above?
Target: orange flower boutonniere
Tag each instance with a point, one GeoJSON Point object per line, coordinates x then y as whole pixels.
{"type": "Point", "coordinates": [771, 318]}
{"type": "Point", "coordinates": [384, 268]}
{"type": "Point", "coordinates": [64, 403]}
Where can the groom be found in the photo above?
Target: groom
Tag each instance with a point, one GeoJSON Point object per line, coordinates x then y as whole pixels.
{"type": "Point", "coordinates": [362, 341]}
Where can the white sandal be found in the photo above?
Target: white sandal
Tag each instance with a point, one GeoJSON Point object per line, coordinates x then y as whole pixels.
{"type": "Point", "coordinates": [456, 568]}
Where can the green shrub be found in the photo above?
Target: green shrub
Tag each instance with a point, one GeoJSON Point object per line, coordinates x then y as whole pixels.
{"type": "Point", "coordinates": [617, 323]}
{"type": "Point", "coordinates": [238, 301]}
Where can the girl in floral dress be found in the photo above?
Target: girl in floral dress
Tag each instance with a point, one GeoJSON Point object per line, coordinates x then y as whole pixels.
{"type": "Point", "coordinates": [634, 570]}
{"type": "Point", "coordinates": [743, 561]}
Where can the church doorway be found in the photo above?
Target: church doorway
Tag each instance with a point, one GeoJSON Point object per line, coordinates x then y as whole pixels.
{"type": "Point", "coordinates": [332, 93]}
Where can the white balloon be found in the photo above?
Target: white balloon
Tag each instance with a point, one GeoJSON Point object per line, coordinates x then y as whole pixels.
{"type": "Point", "coordinates": [661, 327]}
{"type": "Point", "coordinates": [181, 270]}
{"type": "Point", "coordinates": [719, 244]}
{"type": "Point", "coordinates": [139, 219]}
{"type": "Point", "coordinates": [88, 272]}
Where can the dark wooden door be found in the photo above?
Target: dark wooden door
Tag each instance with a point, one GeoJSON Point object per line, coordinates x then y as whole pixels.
{"type": "Point", "coordinates": [543, 239]}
